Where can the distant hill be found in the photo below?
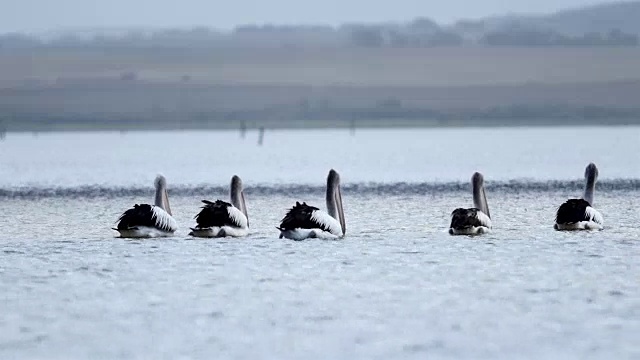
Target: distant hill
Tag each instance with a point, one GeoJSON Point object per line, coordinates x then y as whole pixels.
{"type": "Point", "coordinates": [605, 25]}
{"type": "Point", "coordinates": [624, 16]}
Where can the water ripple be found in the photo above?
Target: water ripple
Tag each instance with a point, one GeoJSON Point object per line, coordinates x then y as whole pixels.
{"type": "Point", "coordinates": [399, 188]}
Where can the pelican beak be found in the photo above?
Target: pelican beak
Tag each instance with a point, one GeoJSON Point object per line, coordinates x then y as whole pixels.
{"type": "Point", "coordinates": [165, 201]}
{"type": "Point", "coordinates": [244, 207]}
{"type": "Point", "coordinates": [338, 200]}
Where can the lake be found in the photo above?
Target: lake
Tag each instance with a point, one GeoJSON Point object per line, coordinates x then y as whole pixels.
{"type": "Point", "coordinates": [397, 286]}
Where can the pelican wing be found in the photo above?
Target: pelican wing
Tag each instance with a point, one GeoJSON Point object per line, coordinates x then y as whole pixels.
{"type": "Point", "coordinates": [466, 218]}
{"type": "Point", "coordinates": [326, 222]}
{"type": "Point", "coordinates": [576, 210]}
{"type": "Point", "coordinates": [220, 213]}
{"type": "Point", "coordinates": [483, 219]}
{"type": "Point", "coordinates": [593, 215]}
{"type": "Point", "coordinates": [303, 216]}
{"type": "Point", "coordinates": [298, 216]}
{"type": "Point", "coordinates": [146, 215]}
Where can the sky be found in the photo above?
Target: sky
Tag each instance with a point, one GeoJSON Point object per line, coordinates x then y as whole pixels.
{"type": "Point", "coordinates": [35, 16]}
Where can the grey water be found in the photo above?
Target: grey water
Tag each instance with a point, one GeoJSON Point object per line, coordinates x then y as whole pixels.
{"type": "Point", "coordinates": [397, 286]}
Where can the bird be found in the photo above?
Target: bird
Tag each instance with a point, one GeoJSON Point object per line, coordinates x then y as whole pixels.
{"type": "Point", "coordinates": [475, 220]}
{"type": "Point", "coordinates": [579, 214]}
{"type": "Point", "coordinates": [221, 218]}
{"type": "Point", "coordinates": [303, 221]}
{"type": "Point", "coordinates": [144, 220]}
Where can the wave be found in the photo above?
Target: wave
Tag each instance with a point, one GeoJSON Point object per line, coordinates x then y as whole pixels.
{"type": "Point", "coordinates": [401, 188]}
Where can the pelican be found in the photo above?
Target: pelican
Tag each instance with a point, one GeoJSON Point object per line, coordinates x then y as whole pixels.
{"type": "Point", "coordinates": [304, 221]}
{"type": "Point", "coordinates": [144, 220]}
{"type": "Point", "coordinates": [579, 214]}
{"type": "Point", "coordinates": [220, 218]}
{"type": "Point", "coordinates": [476, 220]}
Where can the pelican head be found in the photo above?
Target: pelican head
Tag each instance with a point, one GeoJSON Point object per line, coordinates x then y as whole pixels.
{"type": "Point", "coordinates": [591, 172]}
{"type": "Point", "coordinates": [160, 182]}
{"type": "Point", "coordinates": [334, 199]}
{"type": "Point", "coordinates": [591, 176]}
{"type": "Point", "coordinates": [477, 179]}
{"type": "Point", "coordinates": [237, 195]}
{"type": "Point", "coordinates": [162, 198]}
{"type": "Point", "coordinates": [479, 194]}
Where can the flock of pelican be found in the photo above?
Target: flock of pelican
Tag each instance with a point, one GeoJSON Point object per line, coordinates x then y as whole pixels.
{"type": "Point", "coordinates": [221, 219]}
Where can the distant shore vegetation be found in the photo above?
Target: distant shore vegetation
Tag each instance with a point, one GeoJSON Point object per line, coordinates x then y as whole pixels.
{"type": "Point", "coordinates": [415, 34]}
{"type": "Point", "coordinates": [611, 24]}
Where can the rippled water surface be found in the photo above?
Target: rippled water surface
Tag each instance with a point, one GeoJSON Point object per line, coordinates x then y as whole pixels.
{"type": "Point", "coordinates": [398, 286]}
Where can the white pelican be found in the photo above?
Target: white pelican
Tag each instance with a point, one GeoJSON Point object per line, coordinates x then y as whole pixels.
{"type": "Point", "coordinates": [578, 214]}
{"type": "Point", "coordinates": [220, 218]}
{"type": "Point", "coordinates": [144, 220]}
{"type": "Point", "coordinates": [304, 221]}
{"type": "Point", "coordinates": [476, 220]}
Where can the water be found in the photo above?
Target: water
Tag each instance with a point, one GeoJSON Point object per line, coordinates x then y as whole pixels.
{"type": "Point", "coordinates": [397, 287]}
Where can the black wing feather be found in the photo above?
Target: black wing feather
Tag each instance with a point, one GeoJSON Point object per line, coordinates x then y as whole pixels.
{"type": "Point", "coordinates": [465, 218]}
{"type": "Point", "coordinates": [138, 215]}
{"type": "Point", "coordinates": [299, 216]}
{"type": "Point", "coordinates": [572, 211]}
{"type": "Point", "coordinates": [214, 214]}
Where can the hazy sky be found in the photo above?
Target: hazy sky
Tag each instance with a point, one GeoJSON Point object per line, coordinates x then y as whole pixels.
{"type": "Point", "coordinates": [41, 15]}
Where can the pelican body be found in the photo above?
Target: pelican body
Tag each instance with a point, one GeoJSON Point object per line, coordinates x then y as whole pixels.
{"type": "Point", "coordinates": [304, 221]}
{"type": "Point", "coordinates": [476, 220]}
{"type": "Point", "coordinates": [579, 214]}
{"type": "Point", "coordinates": [220, 218]}
{"type": "Point", "coordinates": [146, 221]}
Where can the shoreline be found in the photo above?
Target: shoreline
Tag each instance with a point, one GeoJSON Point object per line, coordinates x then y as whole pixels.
{"type": "Point", "coordinates": [253, 126]}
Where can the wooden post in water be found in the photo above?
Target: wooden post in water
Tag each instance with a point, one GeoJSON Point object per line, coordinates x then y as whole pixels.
{"type": "Point", "coordinates": [261, 135]}
{"type": "Point", "coordinates": [243, 129]}
{"type": "Point", "coordinates": [3, 130]}
{"type": "Point", "coordinates": [352, 127]}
